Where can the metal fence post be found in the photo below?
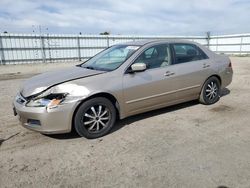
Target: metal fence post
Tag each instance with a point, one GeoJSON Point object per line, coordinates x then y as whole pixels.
{"type": "Point", "coordinates": [241, 41]}
{"type": "Point", "coordinates": [2, 51]}
{"type": "Point", "coordinates": [107, 41]}
{"type": "Point", "coordinates": [217, 44]}
{"type": "Point", "coordinates": [79, 48]}
{"type": "Point", "coordinates": [42, 49]}
{"type": "Point", "coordinates": [208, 37]}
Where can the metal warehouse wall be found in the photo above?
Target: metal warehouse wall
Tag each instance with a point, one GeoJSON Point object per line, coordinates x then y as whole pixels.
{"type": "Point", "coordinates": [31, 48]}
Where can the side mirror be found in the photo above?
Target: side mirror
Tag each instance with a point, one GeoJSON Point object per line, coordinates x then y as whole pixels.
{"type": "Point", "coordinates": [138, 67]}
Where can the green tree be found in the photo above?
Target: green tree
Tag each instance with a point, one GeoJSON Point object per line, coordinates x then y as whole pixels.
{"type": "Point", "coordinates": [105, 33]}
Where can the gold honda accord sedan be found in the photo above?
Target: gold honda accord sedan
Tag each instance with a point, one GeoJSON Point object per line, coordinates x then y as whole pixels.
{"type": "Point", "coordinates": [121, 81]}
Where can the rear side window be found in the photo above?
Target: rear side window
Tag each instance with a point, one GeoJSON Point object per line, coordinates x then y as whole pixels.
{"type": "Point", "coordinates": [188, 52]}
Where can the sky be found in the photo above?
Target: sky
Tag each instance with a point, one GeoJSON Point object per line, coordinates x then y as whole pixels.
{"type": "Point", "coordinates": [126, 17]}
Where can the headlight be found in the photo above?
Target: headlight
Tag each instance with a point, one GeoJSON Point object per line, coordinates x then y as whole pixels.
{"type": "Point", "coordinates": [63, 93]}
{"type": "Point", "coordinates": [51, 100]}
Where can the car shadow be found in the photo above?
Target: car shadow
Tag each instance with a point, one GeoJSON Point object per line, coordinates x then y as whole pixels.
{"type": "Point", "coordinates": [121, 123]}
{"type": "Point", "coordinates": [225, 92]}
{"type": "Point", "coordinates": [146, 115]}
{"type": "Point", "coordinates": [132, 119]}
{"type": "Point", "coordinates": [66, 136]}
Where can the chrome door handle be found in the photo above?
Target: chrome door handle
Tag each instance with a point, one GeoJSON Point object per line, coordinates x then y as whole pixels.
{"type": "Point", "coordinates": [168, 73]}
{"type": "Point", "coordinates": [206, 66]}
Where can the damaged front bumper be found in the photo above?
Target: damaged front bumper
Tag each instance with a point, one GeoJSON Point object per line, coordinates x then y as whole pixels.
{"type": "Point", "coordinates": [45, 120]}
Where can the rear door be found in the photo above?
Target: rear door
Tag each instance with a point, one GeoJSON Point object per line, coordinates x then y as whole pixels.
{"type": "Point", "coordinates": [192, 66]}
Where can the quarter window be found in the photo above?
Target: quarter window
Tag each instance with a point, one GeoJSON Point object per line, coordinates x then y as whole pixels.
{"type": "Point", "coordinates": [156, 56]}
{"type": "Point", "coordinates": [188, 52]}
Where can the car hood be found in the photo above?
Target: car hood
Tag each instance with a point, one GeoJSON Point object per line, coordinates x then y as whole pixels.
{"type": "Point", "coordinates": [41, 82]}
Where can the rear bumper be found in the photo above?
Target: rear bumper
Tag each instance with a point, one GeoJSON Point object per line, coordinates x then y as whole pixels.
{"type": "Point", "coordinates": [226, 77]}
{"type": "Point", "coordinates": [47, 121]}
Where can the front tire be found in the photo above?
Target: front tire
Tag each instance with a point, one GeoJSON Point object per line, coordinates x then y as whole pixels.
{"type": "Point", "coordinates": [95, 118]}
{"type": "Point", "coordinates": [210, 92]}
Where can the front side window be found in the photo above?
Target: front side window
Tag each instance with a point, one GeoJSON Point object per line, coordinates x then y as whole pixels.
{"type": "Point", "coordinates": [188, 52]}
{"type": "Point", "coordinates": [156, 56]}
{"type": "Point", "coordinates": [110, 58]}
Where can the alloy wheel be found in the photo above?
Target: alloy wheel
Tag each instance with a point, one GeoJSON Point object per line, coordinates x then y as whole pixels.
{"type": "Point", "coordinates": [96, 118]}
{"type": "Point", "coordinates": [211, 91]}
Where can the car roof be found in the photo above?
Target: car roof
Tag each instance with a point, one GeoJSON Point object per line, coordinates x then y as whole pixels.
{"type": "Point", "coordinates": [152, 41]}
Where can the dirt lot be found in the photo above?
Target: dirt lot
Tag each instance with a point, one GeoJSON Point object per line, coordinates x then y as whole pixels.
{"type": "Point", "coordinates": [188, 145]}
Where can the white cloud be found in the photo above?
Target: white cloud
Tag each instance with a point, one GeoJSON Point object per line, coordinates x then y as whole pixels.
{"type": "Point", "coordinates": [126, 16]}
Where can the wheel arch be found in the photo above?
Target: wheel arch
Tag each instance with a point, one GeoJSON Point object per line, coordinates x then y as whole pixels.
{"type": "Point", "coordinates": [106, 95]}
{"type": "Point", "coordinates": [201, 97]}
{"type": "Point", "coordinates": [214, 75]}
{"type": "Point", "coordinates": [217, 76]}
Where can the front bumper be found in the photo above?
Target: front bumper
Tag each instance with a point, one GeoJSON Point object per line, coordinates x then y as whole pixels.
{"type": "Point", "coordinates": [47, 121]}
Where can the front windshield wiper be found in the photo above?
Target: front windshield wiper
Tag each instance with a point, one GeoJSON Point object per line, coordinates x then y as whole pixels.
{"type": "Point", "coordinates": [89, 67]}
{"type": "Point", "coordinates": [94, 68]}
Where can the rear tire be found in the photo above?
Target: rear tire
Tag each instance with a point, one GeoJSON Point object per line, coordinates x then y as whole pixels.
{"type": "Point", "coordinates": [95, 118]}
{"type": "Point", "coordinates": [210, 92]}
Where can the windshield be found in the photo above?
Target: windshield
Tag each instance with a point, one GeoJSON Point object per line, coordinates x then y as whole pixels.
{"type": "Point", "coordinates": [111, 58]}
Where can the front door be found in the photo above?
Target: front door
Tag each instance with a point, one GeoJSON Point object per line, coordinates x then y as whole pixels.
{"type": "Point", "coordinates": [154, 87]}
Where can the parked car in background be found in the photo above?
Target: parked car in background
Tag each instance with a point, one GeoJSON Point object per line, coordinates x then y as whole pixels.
{"type": "Point", "coordinates": [121, 81]}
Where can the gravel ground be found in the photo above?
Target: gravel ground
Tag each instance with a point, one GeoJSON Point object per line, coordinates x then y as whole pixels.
{"type": "Point", "coordinates": [27, 70]}
{"type": "Point", "coordinates": [187, 145]}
